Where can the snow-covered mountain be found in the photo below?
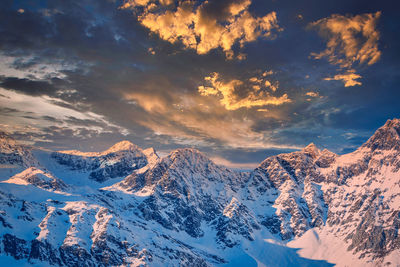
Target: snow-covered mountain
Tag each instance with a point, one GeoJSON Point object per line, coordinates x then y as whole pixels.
{"type": "Point", "coordinates": [127, 206]}
{"type": "Point", "coordinates": [118, 161]}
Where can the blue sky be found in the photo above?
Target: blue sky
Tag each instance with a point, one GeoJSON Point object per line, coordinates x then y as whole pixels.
{"type": "Point", "coordinates": [237, 79]}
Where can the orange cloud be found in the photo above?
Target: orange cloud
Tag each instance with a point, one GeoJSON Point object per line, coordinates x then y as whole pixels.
{"type": "Point", "coordinates": [191, 127]}
{"type": "Point", "coordinates": [267, 73]}
{"type": "Point", "coordinates": [272, 86]}
{"type": "Point", "coordinates": [349, 79]}
{"type": "Point", "coordinates": [194, 120]}
{"type": "Point", "coordinates": [195, 28]}
{"type": "Point", "coordinates": [231, 101]}
{"type": "Point", "coordinates": [350, 41]}
{"type": "Point", "coordinates": [312, 94]}
{"type": "Point", "coordinates": [150, 103]}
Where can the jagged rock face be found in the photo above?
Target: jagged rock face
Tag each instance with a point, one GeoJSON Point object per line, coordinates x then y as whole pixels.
{"type": "Point", "coordinates": [237, 221]}
{"type": "Point", "coordinates": [169, 211]}
{"type": "Point", "coordinates": [295, 176]}
{"type": "Point", "coordinates": [386, 137]}
{"type": "Point", "coordinates": [187, 181]}
{"type": "Point", "coordinates": [118, 161]}
{"type": "Point", "coordinates": [13, 154]}
{"type": "Point", "coordinates": [179, 170]}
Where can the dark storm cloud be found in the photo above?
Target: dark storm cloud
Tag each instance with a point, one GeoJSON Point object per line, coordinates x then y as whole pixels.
{"type": "Point", "coordinates": [52, 119]}
{"type": "Point", "coordinates": [8, 111]}
{"type": "Point", "coordinates": [27, 86]}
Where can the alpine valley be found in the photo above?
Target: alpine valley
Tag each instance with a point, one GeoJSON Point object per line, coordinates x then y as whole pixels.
{"type": "Point", "coordinates": [126, 206]}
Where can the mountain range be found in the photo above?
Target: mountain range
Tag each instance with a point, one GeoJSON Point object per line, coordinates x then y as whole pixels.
{"type": "Point", "coordinates": [126, 206]}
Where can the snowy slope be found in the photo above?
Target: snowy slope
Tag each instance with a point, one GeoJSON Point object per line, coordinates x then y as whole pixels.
{"type": "Point", "coordinates": [38, 178]}
{"type": "Point", "coordinates": [305, 208]}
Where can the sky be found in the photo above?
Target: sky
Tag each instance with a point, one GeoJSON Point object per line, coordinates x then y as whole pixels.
{"type": "Point", "coordinates": [240, 80]}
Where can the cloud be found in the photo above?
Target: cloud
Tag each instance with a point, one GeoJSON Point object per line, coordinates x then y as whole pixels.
{"type": "Point", "coordinates": [103, 54]}
{"type": "Point", "coordinates": [205, 26]}
{"type": "Point", "coordinates": [349, 78]}
{"type": "Point", "coordinates": [196, 129]}
{"type": "Point", "coordinates": [351, 41]}
{"type": "Point", "coordinates": [232, 101]}
{"type": "Point", "coordinates": [272, 86]}
{"type": "Point", "coordinates": [30, 67]}
{"type": "Point", "coordinates": [27, 86]}
{"type": "Point", "coordinates": [234, 165]}
{"type": "Point", "coordinates": [312, 94]}
{"type": "Point", "coordinates": [150, 103]}
{"type": "Point", "coordinates": [194, 120]}
{"type": "Point", "coordinates": [25, 113]}
{"type": "Point", "coordinates": [267, 73]}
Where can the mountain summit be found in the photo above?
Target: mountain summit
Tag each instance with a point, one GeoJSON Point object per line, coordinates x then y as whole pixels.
{"type": "Point", "coordinates": [118, 147]}
{"type": "Point", "coordinates": [386, 138]}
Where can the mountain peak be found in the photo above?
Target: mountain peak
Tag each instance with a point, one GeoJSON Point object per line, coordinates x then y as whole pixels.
{"type": "Point", "coordinates": [6, 141]}
{"type": "Point", "coordinates": [386, 137]}
{"type": "Point", "coordinates": [122, 146]}
{"type": "Point", "coordinates": [310, 146]}
{"type": "Point", "coordinates": [188, 157]}
{"type": "Point", "coordinates": [394, 123]}
{"type": "Point", "coordinates": [151, 155]}
{"type": "Point", "coordinates": [188, 153]}
{"type": "Point", "coordinates": [311, 149]}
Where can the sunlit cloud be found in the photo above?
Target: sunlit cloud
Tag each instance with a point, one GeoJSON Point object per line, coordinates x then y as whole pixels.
{"type": "Point", "coordinates": [195, 120]}
{"type": "Point", "coordinates": [188, 129]}
{"type": "Point", "coordinates": [268, 73]}
{"type": "Point", "coordinates": [228, 97]}
{"type": "Point", "coordinates": [349, 79]}
{"type": "Point", "coordinates": [191, 120]}
{"type": "Point", "coordinates": [351, 41]}
{"type": "Point", "coordinates": [150, 103]}
{"type": "Point", "coordinates": [205, 26]}
{"type": "Point", "coordinates": [312, 94]}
